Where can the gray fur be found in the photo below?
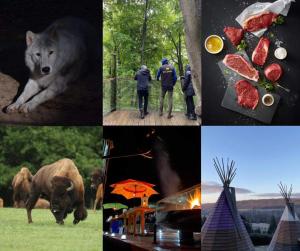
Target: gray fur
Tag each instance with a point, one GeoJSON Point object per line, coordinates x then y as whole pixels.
{"type": "Point", "coordinates": [56, 57]}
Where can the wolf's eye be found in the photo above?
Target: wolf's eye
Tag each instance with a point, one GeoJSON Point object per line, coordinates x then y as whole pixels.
{"type": "Point", "coordinates": [51, 52]}
{"type": "Point", "coordinates": [38, 54]}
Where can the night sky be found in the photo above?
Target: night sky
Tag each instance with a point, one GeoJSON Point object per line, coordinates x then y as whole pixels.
{"type": "Point", "coordinates": [181, 143]}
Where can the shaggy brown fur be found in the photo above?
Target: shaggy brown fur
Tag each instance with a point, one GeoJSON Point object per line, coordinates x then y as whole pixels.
{"type": "Point", "coordinates": [42, 204]}
{"type": "Point", "coordinates": [62, 184]}
{"type": "Point", "coordinates": [21, 187]}
{"type": "Point", "coordinates": [97, 183]}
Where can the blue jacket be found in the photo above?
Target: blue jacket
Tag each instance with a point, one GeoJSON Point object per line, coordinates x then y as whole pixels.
{"type": "Point", "coordinates": [167, 74]}
{"type": "Point", "coordinates": [143, 78]}
{"type": "Point", "coordinates": [188, 85]}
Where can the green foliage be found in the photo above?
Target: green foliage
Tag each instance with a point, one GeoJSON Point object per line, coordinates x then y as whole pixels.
{"type": "Point", "coordinates": [44, 234]}
{"type": "Point", "coordinates": [242, 46]}
{"type": "Point", "coordinates": [279, 20]}
{"type": "Point", "coordinates": [266, 84]}
{"type": "Point", "coordinates": [123, 22]}
{"type": "Point", "coordinates": [36, 146]}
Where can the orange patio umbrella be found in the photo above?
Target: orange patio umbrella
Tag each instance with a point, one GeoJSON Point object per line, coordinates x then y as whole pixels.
{"type": "Point", "coordinates": [133, 189]}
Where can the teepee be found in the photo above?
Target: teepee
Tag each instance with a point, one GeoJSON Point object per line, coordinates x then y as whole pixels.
{"type": "Point", "coordinates": [287, 232]}
{"type": "Point", "coordinates": [224, 229]}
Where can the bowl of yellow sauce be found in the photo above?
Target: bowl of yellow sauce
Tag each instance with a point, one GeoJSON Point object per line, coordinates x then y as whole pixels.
{"type": "Point", "coordinates": [214, 44]}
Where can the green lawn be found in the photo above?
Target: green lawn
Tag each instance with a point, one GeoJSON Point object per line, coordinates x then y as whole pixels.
{"type": "Point", "coordinates": [44, 234]}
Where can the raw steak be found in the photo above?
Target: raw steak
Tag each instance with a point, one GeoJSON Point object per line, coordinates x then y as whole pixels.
{"type": "Point", "coordinates": [238, 64]}
{"type": "Point", "coordinates": [235, 35]}
{"type": "Point", "coordinates": [260, 21]}
{"type": "Point", "coordinates": [260, 53]}
{"type": "Point", "coordinates": [247, 94]}
{"type": "Point", "coordinates": [273, 72]}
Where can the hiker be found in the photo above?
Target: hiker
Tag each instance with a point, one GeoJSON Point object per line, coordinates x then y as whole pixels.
{"type": "Point", "coordinates": [189, 93]}
{"type": "Point", "coordinates": [143, 78]}
{"type": "Point", "coordinates": [168, 77]}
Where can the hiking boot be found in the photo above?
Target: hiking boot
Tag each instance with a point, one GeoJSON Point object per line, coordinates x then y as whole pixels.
{"type": "Point", "coordinates": [142, 114]}
{"type": "Point", "coordinates": [170, 116]}
{"type": "Point", "coordinates": [146, 113]}
{"type": "Point", "coordinates": [192, 117]}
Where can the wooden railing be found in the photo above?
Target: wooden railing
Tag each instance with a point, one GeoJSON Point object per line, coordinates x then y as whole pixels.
{"type": "Point", "coordinates": [125, 95]}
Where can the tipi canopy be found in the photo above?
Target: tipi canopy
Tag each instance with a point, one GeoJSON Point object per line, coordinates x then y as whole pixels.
{"type": "Point", "coordinates": [287, 232]}
{"type": "Point", "coordinates": [224, 229]}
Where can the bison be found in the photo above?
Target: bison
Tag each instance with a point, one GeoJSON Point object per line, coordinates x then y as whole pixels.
{"type": "Point", "coordinates": [42, 204]}
{"type": "Point", "coordinates": [1, 202]}
{"type": "Point", "coordinates": [21, 187]}
{"type": "Point", "coordinates": [97, 184]}
{"type": "Point", "coordinates": [62, 184]}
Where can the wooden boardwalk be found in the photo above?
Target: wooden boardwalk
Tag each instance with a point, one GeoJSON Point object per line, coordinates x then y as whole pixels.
{"type": "Point", "coordinates": [130, 117]}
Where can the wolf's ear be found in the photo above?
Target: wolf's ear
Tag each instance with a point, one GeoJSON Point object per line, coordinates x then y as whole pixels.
{"type": "Point", "coordinates": [53, 32]}
{"type": "Point", "coordinates": [30, 36]}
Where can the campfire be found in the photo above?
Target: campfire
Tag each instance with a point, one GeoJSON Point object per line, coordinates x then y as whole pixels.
{"type": "Point", "coordinates": [181, 212]}
{"type": "Point", "coordinates": [195, 200]}
{"type": "Point", "coordinates": [184, 200]}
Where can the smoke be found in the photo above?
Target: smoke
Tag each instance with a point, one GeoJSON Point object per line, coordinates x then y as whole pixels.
{"type": "Point", "coordinates": [169, 180]}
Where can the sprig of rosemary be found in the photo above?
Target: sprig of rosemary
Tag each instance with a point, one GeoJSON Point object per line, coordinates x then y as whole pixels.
{"type": "Point", "coordinates": [267, 85]}
{"type": "Point", "coordinates": [279, 20]}
{"type": "Point", "coordinates": [242, 46]}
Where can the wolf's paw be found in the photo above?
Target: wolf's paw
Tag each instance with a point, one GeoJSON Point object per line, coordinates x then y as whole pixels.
{"type": "Point", "coordinates": [13, 108]}
{"type": "Point", "coordinates": [26, 108]}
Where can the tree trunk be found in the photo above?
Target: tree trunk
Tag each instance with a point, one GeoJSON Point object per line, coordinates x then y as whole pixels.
{"type": "Point", "coordinates": [113, 91]}
{"type": "Point", "coordinates": [144, 31]}
{"type": "Point", "coordinates": [192, 24]}
{"type": "Point", "coordinates": [178, 48]}
{"type": "Point", "coordinates": [179, 56]}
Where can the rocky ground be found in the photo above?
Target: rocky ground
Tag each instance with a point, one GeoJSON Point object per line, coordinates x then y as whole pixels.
{"type": "Point", "coordinates": [77, 106]}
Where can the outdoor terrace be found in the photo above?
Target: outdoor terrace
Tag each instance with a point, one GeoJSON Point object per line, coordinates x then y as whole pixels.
{"type": "Point", "coordinates": [120, 105]}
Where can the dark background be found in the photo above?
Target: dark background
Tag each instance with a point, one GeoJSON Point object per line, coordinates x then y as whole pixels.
{"type": "Point", "coordinates": [216, 15]}
{"type": "Point", "coordinates": [182, 144]}
{"type": "Point", "coordinates": [19, 16]}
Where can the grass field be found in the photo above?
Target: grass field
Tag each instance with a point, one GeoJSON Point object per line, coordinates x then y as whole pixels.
{"type": "Point", "coordinates": [44, 234]}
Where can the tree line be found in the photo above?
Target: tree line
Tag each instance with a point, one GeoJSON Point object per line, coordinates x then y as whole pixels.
{"type": "Point", "coordinates": [142, 33]}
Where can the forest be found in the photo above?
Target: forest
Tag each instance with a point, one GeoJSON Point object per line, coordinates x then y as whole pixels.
{"type": "Point", "coordinates": [34, 147]}
{"type": "Point", "coordinates": [141, 32]}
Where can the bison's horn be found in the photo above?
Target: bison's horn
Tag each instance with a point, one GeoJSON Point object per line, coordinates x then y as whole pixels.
{"type": "Point", "coordinates": [70, 188]}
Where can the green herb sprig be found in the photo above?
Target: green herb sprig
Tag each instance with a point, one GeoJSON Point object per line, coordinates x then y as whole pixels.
{"type": "Point", "coordinates": [266, 84]}
{"type": "Point", "coordinates": [226, 72]}
{"type": "Point", "coordinates": [242, 46]}
{"type": "Point", "coordinates": [279, 20]}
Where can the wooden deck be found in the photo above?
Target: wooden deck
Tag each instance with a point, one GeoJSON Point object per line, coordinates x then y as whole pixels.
{"type": "Point", "coordinates": [130, 117]}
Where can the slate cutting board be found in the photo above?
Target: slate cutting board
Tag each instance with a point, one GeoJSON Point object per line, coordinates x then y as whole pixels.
{"type": "Point", "coordinates": [216, 15]}
{"type": "Point", "coordinates": [261, 113]}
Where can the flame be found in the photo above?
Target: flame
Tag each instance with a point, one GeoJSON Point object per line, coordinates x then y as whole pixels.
{"type": "Point", "coordinates": [195, 199]}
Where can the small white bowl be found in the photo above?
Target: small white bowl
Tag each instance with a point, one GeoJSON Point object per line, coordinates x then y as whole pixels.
{"type": "Point", "coordinates": [214, 36]}
{"type": "Point", "coordinates": [268, 99]}
{"type": "Point", "coordinates": [280, 53]}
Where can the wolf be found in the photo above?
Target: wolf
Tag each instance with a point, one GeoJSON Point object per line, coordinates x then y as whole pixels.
{"type": "Point", "coordinates": [56, 57]}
